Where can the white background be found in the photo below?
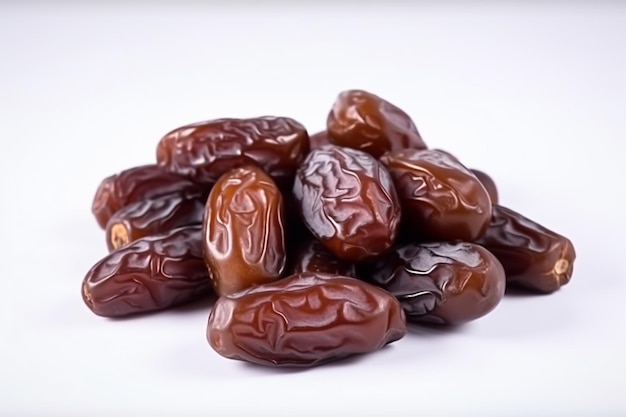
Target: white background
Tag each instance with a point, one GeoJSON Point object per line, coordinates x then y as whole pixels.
{"type": "Point", "coordinates": [534, 94]}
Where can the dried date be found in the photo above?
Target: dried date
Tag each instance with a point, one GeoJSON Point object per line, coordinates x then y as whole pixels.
{"type": "Point", "coordinates": [154, 216]}
{"type": "Point", "coordinates": [319, 139]}
{"type": "Point", "coordinates": [441, 199]}
{"type": "Point", "coordinates": [312, 256]}
{"type": "Point", "coordinates": [534, 257]}
{"type": "Point", "coordinates": [440, 283]}
{"type": "Point", "coordinates": [365, 121]}
{"type": "Point", "coordinates": [348, 201]}
{"type": "Point", "coordinates": [206, 150]}
{"type": "Point", "coordinates": [133, 185]}
{"type": "Point", "coordinates": [488, 183]}
{"type": "Point", "coordinates": [150, 274]}
{"type": "Point", "coordinates": [244, 230]}
{"type": "Point", "coordinates": [305, 320]}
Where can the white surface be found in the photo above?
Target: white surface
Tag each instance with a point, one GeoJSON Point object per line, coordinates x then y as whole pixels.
{"type": "Point", "coordinates": [534, 95]}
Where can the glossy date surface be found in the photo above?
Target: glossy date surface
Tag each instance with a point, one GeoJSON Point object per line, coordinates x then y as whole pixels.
{"type": "Point", "coordinates": [154, 216]}
{"type": "Point", "coordinates": [133, 185]}
{"type": "Point", "coordinates": [206, 150]}
{"type": "Point", "coordinates": [319, 139]}
{"type": "Point", "coordinates": [305, 320]}
{"type": "Point", "coordinates": [440, 283]}
{"type": "Point", "coordinates": [490, 185]}
{"type": "Point", "coordinates": [150, 274]}
{"type": "Point", "coordinates": [348, 202]}
{"type": "Point", "coordinates": [534, 257]}
{"type": "Point", "coordinates": [312, 256]}
{"type": "Point", "coordinates": [441, 199]}
{"type": "Point", "coordinates": [244, 230]}
{"type": "Point", "coordinates": [365, 121]}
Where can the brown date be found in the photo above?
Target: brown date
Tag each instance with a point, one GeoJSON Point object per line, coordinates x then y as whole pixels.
{"type": "Point", "coordinates": [534, 257]}
{"type": "Point", "coordinates": [312, 256]}
{"type": "Point", "coordinates": [206, 150]}
{"type": "Point", "coordinates": [441, 283]}
{"type": "Point", "coordinates": [488, 183]}
{"type": "Point", "coordinates": [364, 121]}
{"type": "Point", "coordinates": [133, 185]}
{"type": "Point", "coordinates": [150, 274]}
{"type": "Point", "coordinates": [153, 216]}
{"type": "Point", "coordinates": [305, 320]}
{"type": "Point", "coordinates": [244, 230]}
{"type": "Point", "coordinates": [441, 199]}
{"type": "Point", "coordinates": [319, 139]}
{"type": "Point", "coordinates": [348, 202]}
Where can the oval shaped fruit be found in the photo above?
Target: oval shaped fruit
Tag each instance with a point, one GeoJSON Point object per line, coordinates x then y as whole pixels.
{"type": "Point", "coordinates": [244, 230]}
{"type": "Point", "coordinates": [488, 183]}
{"type": "Point", "coordinates": [305, 320]}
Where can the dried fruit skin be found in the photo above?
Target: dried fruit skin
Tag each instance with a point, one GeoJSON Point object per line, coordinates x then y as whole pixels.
{"type": "Point", "coordinates": [534, 257]}
{"type": "Point", "coordinates": [154, 216]}
{"type": "Point", "coordinates": [312, 256]}
{"type": "Point", "coordinates": [441, 199]}
{"type": "Point", "coordinates": [488, 183]}
{"type": "Point", "coordinates": [150, 274]}
{"type": "Point", "coordinates": [362, 120]}
{"type": "Point", "coordinates": [305, 320]}
{"type": "Point", "coordinates": [244, 230]}
{"type": "Point", "coordinates": [206, 150]}
{"type": "Point", "coordinates": [348, 202]}
{"type": "Point", "coordinates": [443, 283]}
{"type": "Point", "coordinates": [133, 185]}
{"type": "Point", "coordinates": [319, 139]}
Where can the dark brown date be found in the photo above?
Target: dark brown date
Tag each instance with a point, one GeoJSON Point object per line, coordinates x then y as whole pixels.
{"type": "Point", "coordinates": [319, 139]}
{"type": "Point", "coordinates": [154, 216]}
{"type": "Point", "coordinates": [488, 183]}
{"type": "Point", "coordinates": [441, 199]}
{"type": "Point", "coordinates": [206, 150]}
{"type": "Point", "coordinates": [244, 230]}
{"type": "Point", "coordinates": [133, 185]}
{"type": "Point", "coordinates": [312, 256]}
{"type": "Point", "coordinates": [534, 257]}
{"type": "Point", "coordinates": [305, 320]}
{"type": "Point", "coordinates": [364, 121]}
{"type": "Point", "coordinates": [440, 283]}
{"type": "Point", "coordinates": [348, 201]}
{"type": "Point", "coordinates": [150, 274]}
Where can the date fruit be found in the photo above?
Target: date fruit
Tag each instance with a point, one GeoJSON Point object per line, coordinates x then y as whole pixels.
{"type": "Point", "coordinates": [305, 320]}
{"type": "Point", "coordinates": [153, 216]}
{"type": "Point", "coordinates": [534, 257]}
{"type": "Point", "coordinates": [442, 283]}
{"type": "Point", "coordinates": [244, 230]}
{"type": "Point", "coordinates": [312, 256]}
{"type": "Point", "coordinates": [150, 274]}
{"type": "Point", "coordinates": [348, 202]}
{"type": "Point", "coordinates": [206, 150]}
{"type": "Point", "coordinates": [441, 199]}
{"type": "Point", "coordinates": [319, 139]}
{"type": "Point", "coordinates": [488, 183]}
{"type": "Point", "coordinates": [364, 121]}
{"type": "Point", "coordinates": [133, 185]}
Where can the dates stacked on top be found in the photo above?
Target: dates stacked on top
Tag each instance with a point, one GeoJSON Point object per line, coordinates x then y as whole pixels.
{"type": "Point", "coordinates": [318, 247]}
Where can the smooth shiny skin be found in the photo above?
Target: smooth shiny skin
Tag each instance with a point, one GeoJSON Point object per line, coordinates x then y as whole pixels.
{"type": "Point", "coordinates": [365, 121]}
{"type": "Point", "coordinates": [488, 183]}
{"type": "Point", "coordinates": [442, 283]}
{"type": "Point", "coordinates": [534, 257]}
{"type": "Point", "coordinates": [244, 231]}
{"type": "Point", "coordinates": [441, 199]}
{"type": "Point", "coordinates": [319, 139]}
{"type": "Point", "coordinates": [205, 151]}
{"type": "Point", "coordinates": [348, 202]}
{"type": "Point", "coordinates": [150, 274]}
{"type": "Point", "coordinates": [305, 320]}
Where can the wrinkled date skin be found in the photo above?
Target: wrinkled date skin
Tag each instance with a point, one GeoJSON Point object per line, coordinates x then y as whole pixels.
{"type": "Point", "coordinates": [534, 257]}
{"type": "Point", "coordinates": [319, 139]}
{"type": "Point", "coordinates": [348, 202]}
{"type": "Point", "coordinates": [305, 320]}
{"type": "Point", "coordinates": [133, 185]}
{"type": "Point", "coordinates": [244, 231]}
{"type": "Point", "coordinates": [364, 121]}
{"type": "Point", "coordinates": [440, 283]}
{"type": "Point", "coordinates": [441, 199]}
{"type": "Point", "coordinates": [312, 256]}
{"type": "Point", "coordinates": [150, 274]}
{"type": "Point", "coordinates": [154, 216]}
{"type": "Point", "coordinates": [488, 183]}
{"type": "Point", "coordinates": [206, 150]}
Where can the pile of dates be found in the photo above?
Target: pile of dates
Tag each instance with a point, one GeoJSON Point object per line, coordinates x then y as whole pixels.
{"type": "Point", "coordinates": [317, 247]}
